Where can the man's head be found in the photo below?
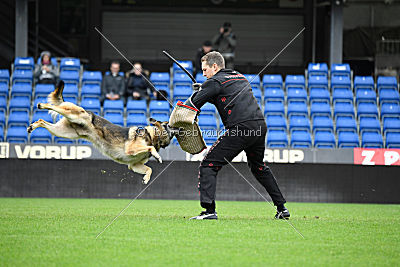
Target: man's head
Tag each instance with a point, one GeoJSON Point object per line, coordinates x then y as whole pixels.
{"type": "Point", "coordinates": [137, 69]}
{"type": "Point", "coordinates": [207, 47]}
{"type": "Point", "coordinates": [211, 63]}
{"type": "Point", "coordinates": [114, 67]}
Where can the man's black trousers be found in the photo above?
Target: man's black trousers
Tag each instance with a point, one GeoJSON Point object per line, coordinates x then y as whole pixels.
{"type": "Point", "coordinates": [250, 137]}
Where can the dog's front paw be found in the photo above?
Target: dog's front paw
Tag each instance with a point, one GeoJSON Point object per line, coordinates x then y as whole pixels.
{"type": "Point", "coordinates": [146, 179]}
{"type": "Point", "coordinates": [39, 105]}
{"type": "Point", "coordinates": [159, 159]}
{"type": "Point", "coordinates": [30, 129]}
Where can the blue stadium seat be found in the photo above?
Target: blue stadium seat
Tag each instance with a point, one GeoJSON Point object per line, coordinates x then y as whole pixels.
{"type": "Point", "coordinates": [91, 104]}
{"type": "Point", "coordinates": [390, 110]}
{"type": "Point", "coordinates": [21, 89]}
{"type": "Point", "coordinates": [346, 123]}
{"type": "Point", "coordinates": [24, 63]}
{"type": "Point", "coordinates": [116, 118]}
{"type": "Point", "coordinates": [70, 64]}
{"type": "Point", "coordinates": [5, 76]}
{"type": "Point", "coordinates": [321, 107]}
{"type": "Point", "coordinates": [40, 136]}
{"type": "Point", "coordinates": [208, 108]}
{"type": "Point", "coordinates": [300, 139]}
{"type": "Point", "coordinates": [92, 77]}
{"type": "Point", "coordinates": [17, 134]}
{"type": "Point", "coordinates": [22, 76]}
{"type": "Point", "coordinates": [274, 107]}
{"type": "Point", "coordinates": [136, 119]}
{"type": "Point", "coordinates": [160, 78]}
{"type": "Point", "coordinates": [317, 69]}
{"type": "Point", "coordinates": [161, 88]}
{"type": "Point", "coordinates": [324, 139]}
{"type": "Point", "coordinates": [367, 109]}
{"type": "Point", "coordinates": [348, 140]}
{"type": "Point", "coordinates": [73, 100]}
{"type": "Point", "coordinates": [253, 79]}
{"type": "Point", "coordinates": [295, 81]}
{"type": "Point", "coordinates": [200, 78]}
{"type": "Point", "coordinates": [207, 121]}
{"type": "Point", "coordinates": [297, 108]}
{"type": "Point", "coordinates": [343, 108]}
{"type": "Point", "coordinates": [70, 76]}
{"type": "Point", "coordinates": [272, 80]}
{"type": "Point", "coordinates": [1, 133]}
{"type": "Point", "coordinates": [182, 92]}
{"type": "Point", "coordinates": [43, 89]}
{"type": "Point", "coordinates": [18, 117]}
{"type": "Point", "coordinates": [3, 103]}
{"type": "Point", "coordinates": [113, 106]}
{"type": "Point", "coordinates": [160, 116]}
{"type": "Point", "coordinates": [4, 89]}
{"type": "Point", "coordinates": [277, 138]}
{"type": "Point", "coordinates": [386, 83]}
{"type": "Point", "coordinates": [136, 106]}
{"type": "Point", "coordinates": [364, 82]}
{"type": "Point", "coordinates": [323, 123]}
{"type": "Point", "coordinates": [20, 103]}
{"type": "Point", "coordinates": [296, 93]}
{"type": "Point", "coordinates": [276, 122]}
{"type": "Point", "coordinates": [318, 88]}
{"type": "Point", "coordinates": [91, 89]}
{"type": "Point", "coordinates": [371, 140]}
{"type": "Point", "coordinates": [70, 90]}
{"type": "Point", "coordinates": [159, 106]}
{"type": "Point", "coordinates": [391, 124]}
{"type": "Point", "coordinates": [181, 78]}
{"type": "Point", "coordinates": [2, 118]}
{"type": "Point", "coordinates": [209, 136]}
{"type": "Point", "coordinates": [84, 142]}
{"type": "Point", "coordinates": [340, 70]}
{"type": "Point", "coordinates": [274, 93]}
{"type": "Point", "coordinates": [299, 122]}
{"type": "Point", "coordinates": [341, 88]}
{"type": "Point", "coordinates": [369, 124]}
{"type": "Point", "coordinates": [393, 140]}
{"type": "Point", "coordinates": [365, 95]}
{"type": "Point", "coordinates": [388, 95]}
{"type": "Point", "coordinates": [41, 114]}
{"type": "Point", "coordinates": [187, 64]}
{"type": "Point", "coordinates": [60, 140]}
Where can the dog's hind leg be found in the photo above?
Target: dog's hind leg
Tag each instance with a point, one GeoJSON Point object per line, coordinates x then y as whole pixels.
{"type": "Point", "coordinates": [61, 129]}
{"type": "Point", "coordinates": [142, 169]}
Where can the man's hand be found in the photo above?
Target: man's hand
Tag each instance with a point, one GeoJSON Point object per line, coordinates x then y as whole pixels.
{"type": "Point", "coordinates": [196, 86]}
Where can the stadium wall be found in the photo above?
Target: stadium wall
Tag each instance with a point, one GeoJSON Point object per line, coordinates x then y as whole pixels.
{"type": "Point", "coordinates": [101, 178]}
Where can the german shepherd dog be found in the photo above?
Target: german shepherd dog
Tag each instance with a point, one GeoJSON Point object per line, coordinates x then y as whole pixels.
{"type": "Point", "coordinates": [131, 146]}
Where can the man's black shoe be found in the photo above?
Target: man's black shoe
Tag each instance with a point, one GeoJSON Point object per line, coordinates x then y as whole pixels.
{"type": "Point", "coordinates": [204, 215]}
{"type": "Point", "coordinates": [283, 214]}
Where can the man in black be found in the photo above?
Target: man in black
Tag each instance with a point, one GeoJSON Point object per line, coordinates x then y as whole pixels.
{"type": "Point", "coordinates": [245, 127]}
{"type": "Point", "coordinates": [113, 84]}
{"type": "Point", "coordinates": [202, 51]}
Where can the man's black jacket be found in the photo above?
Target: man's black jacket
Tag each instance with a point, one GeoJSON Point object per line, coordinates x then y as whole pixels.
{"type": "Point", "coordinates": [231, 93]}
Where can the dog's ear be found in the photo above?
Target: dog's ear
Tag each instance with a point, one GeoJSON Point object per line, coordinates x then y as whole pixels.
{"type": "Point", "coordinates": [152, 121]}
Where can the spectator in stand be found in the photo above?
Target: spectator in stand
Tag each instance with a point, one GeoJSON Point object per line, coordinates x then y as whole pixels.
{"type": "Point", "coordinates": [207, 47]}
{"type": "Point", "coordinates": [136, 87]}
{"type": "Point", "coordinates": [45, 72]}
{"type": "Point", "coordinates": [225, 43]}
{"type": "Point", "coordinates": [113, 85]}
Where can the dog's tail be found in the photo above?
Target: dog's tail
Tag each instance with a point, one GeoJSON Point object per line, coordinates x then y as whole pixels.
{"type": "Point", "coordinates": [55, 97]}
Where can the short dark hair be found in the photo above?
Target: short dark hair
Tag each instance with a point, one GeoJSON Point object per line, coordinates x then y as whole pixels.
{"type": "Point", "coordinates": [207, 43]}
{"type": "Point", "coordinates": [214, 57]}
{"type": "Point", "coordinates": [115, 62]}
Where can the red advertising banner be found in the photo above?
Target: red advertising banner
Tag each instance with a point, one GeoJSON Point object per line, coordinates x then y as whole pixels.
{"type": "Point", "coordinates": [376, 156]}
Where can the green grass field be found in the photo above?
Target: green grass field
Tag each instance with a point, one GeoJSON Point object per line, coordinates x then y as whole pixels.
{"type": "Point", "coordinates": [157, 232]}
